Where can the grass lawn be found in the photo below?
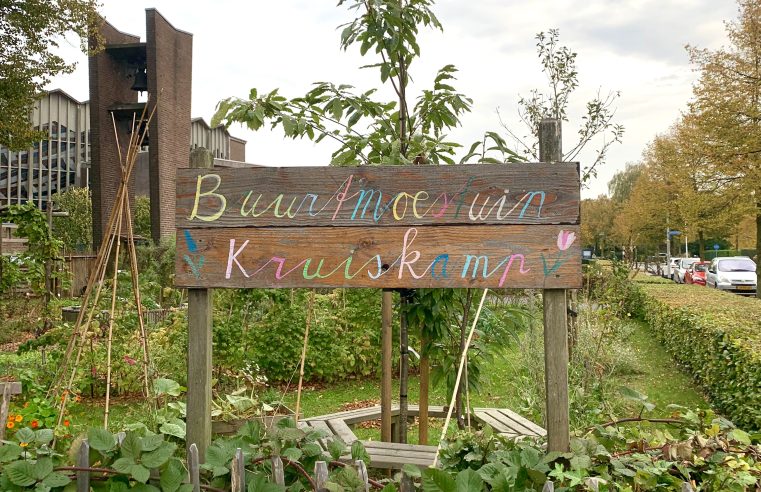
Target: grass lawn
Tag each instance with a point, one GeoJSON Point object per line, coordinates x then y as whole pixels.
{"type": "Point", "coordinates": [660, 378]}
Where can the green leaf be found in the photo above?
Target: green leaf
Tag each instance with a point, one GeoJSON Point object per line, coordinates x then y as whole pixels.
{"type": "Point", "coordinates": [10, 452]}
{"type": "Point", "coordinates": [172, 476]}
{"type": "Point", "coordinates": [169, 387]}
{"type": "Point", "coordinates": [290, 434]}
{"type": "Point", "coordinates": [411, 471]}
{"type": "Point", "coordinates": [100, 439]}
{"type": "Point", "coordinates": [469, 481]}
{"type": "Point", "coordinates": [311, 449]}
{"type": "Point", "coordinates": [43, 468]}
{"type": "Point", "coordinates": [336, 448]}
{"type": "Point", "coordinates": [25, 435]}
{"type": "Point", "coordinates": [435, 480]}
{"type": "Point", "coordinates": [260, 483]}
{"type": "Point", "coordinates": [140, 473]}
{"type": "Point", "coordinates": [152, 442]}
{"type": "Point", "coordinates": [158, 457]}
{"type": "Point", "coordinates": [174, 428]}
{"type": "Point", "coordinates": [56, 479]}
{"type": "Point", "coordinates": [43, 436]}
{"type": "Point", "coordinates": [21, 473]}
{"type": "Point", "coordinates": [123, 465]}
{"type": "Point", "coordinates": [131, 446]}
{"type": "Point", "coordinates": [293, 454]}
{"type": "Point", "coordinates": [358, 452]}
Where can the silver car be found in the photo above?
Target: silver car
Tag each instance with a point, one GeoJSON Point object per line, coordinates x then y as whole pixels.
{"type": "Point", "coordinates": [734, 274]}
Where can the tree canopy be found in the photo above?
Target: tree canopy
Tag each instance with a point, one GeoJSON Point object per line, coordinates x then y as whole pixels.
{"type": "Point", "coordinates": [30, 32]}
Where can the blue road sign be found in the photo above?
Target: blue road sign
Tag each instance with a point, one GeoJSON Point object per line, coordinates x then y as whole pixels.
{"type": "Point", "coordinates": [716, 247]}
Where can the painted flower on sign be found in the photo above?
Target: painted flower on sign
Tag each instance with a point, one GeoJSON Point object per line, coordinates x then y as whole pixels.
{"type": "Point", "coordinates": [565, 239]}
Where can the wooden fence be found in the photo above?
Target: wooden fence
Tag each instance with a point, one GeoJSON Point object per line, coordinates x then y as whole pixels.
{"type": "Point", "coordinates": [317, 481]}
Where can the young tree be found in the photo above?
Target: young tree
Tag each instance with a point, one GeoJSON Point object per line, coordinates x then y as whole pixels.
{"type": "Point", "coordinates": [407, 130]}
{"type": "Point", "coordinates": [597, 127]}
{"type": "Point", "coordinates": [29, 33]}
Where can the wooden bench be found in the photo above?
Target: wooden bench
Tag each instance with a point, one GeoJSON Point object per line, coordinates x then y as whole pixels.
{"type": "Point", "coordinates": [395, 455]}
{"type": "Point", "coordinates": [508, 423]}
{"type": "Point", "coordinates": [7, 390]}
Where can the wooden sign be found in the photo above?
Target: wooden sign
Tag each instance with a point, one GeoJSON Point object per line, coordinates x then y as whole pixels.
{"type": "Point", "coordinates": [378, 196]}
{"type": "Point", "coordinates": [495, 226]}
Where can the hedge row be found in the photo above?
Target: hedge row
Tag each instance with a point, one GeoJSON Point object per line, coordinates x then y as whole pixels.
{"type": "Point", "coordinates": [716, 336]}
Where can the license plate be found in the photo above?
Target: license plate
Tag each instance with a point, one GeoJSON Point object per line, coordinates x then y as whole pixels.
{"type": "Point", "coordinates": [744, 287]}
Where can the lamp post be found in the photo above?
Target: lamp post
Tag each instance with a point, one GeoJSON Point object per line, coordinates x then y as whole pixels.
{"type": "Point", "coordinates": [669, 233]}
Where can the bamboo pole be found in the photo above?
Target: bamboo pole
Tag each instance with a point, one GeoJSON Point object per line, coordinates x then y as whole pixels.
{"type": "Point", "coordinates": [459, 376]}
{"type": "Point", "coordinates": [310, 312]}
{"type": "Point", "coordinates": [111, 316]}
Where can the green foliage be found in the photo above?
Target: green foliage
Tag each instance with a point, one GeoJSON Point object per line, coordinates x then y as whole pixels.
{"type": "Point", "coordinates": [716, 336]}
{"type": "Point", "coordinates": [343, 339]}
{"type": "Point", "coordinates": [74, 231]}
{"type": "Point", "coordinates": [30, 32]}
{"type": "Point", "coordinates": [559, 66]}
{"type": "Point", "coordinates": [42, 247]}
{"type": "Point", "coordinates": [142, 216]}
{"type": "Point", "coordinates": [369, 131]}
{"type": "Point", "coordinates": [695, 447]}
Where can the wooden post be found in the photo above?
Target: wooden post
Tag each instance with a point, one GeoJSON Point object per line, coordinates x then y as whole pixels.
{"type": "Point", "coordinates": [386, 367]}
{"type": "Point", "coordinates": [278, 475]}
{"type": "Point", "coordinates": [321, 475]}
{"type": "Point", "coordinates": [83, 461]}
{"type": "Point", "coordinates": [238, 472]}
{"type": "Point", "coordinates": [425, 372]}
{"type": "Point", "coordinates": [555, 322]}
{"type": "Point", "coordinates": [193, 468]}
{"type": "Point", "coordinates": [403, 364]}
{"type": "Point", "coordinates": [200, 309]}
{"type": "Point", "coordinates": [362, 472]}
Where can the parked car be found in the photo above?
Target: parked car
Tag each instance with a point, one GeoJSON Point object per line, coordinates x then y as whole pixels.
{"type": "Point", "coordinates": [734, 274]}
{"type": "Point", "coordinates": [681, 268]}
{"type": "Point", "coordinates": [671, 271]}
{"type": "Point", "coordinates": [696, 273]}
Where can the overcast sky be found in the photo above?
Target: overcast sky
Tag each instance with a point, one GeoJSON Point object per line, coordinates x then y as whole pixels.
{"type": "Point", "coordinates": [632, 46]}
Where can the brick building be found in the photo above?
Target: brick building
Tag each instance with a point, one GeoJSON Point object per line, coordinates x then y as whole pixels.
{"type": "Point", "coordinates": [81, 148]}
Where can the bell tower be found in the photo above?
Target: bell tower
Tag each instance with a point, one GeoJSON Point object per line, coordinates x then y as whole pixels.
{"type": "Point", "coordinates": [126, 67]}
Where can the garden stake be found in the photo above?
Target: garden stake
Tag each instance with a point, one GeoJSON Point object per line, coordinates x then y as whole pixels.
{"type": "Point", "coordinates": [127, 164]}
{"type": "Point", "coordinates": [459, 375]}
{"type": "Point", "coordinates": [310, 312]}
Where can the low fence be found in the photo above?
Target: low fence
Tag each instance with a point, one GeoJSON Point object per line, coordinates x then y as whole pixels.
{"type": "Point", "coordinates": [85, 473]}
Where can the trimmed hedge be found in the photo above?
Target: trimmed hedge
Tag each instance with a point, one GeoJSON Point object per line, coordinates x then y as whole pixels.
{"type": "Point", "coordinates": [716, 336]}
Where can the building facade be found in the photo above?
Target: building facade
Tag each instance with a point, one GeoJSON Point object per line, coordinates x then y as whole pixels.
{"type": "Point", "coordinates": [63, 160]}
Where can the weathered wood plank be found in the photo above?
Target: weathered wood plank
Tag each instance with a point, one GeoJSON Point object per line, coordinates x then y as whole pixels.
{"type": "Point", "coordinates": [495, 424]}
{"type": "Point", "coordinates": [537, 429]}
{"type": "Point", "coordinates": [380, 445]}
{"type": "Point", "coordinates": [200, 310]}
{"type": "Point", "coordinates": [83, 461]}
{"type": "Point", "coordinates": [509, 423]}
{"type": "Point", "coordinates": [342, 430]}
{"type": "Point", "coordinates": [14, 388]}
{"type": "Point", "coordinates": [513, 256]}
{"type": "Point", "coordinates": [4, 405]}
{"type": "Point", "coordinates": [378, 196]}
{"type": "Point", "coordinates": [556, 369]}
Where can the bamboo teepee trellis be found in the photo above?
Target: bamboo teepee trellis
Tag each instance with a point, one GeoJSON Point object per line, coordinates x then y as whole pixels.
{"type": "Point", "coordinates": [120, 219]}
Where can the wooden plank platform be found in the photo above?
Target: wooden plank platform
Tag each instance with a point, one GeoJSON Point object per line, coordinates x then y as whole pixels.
{"type": "Point", "coordinates": [395, 455]}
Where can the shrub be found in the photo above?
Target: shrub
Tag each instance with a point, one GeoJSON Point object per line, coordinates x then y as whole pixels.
{"type": "Point", "coordinates": [717, 337]}
{"type": "Point", "coordinates": [75, 230]}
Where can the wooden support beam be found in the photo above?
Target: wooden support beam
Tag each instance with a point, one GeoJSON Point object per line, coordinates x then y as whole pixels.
{"type": "Point", "coordinates": [555, 322]}
{"type": "Point", "coordinates": [200, 310]}
{"type": "Point", "coordinates": [386, 367]}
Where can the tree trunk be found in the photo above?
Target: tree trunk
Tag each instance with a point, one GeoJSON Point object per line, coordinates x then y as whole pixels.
{"type": "Point", "coordinates": [701, 245]}
{"type": "Point", "coordinates": [403, 365]}
{"type": "Point", "coordinates": [425, 371]}
{"type": "Point", "coordinates": [463, 330]}
{"type": "Point", "coordinates": [758, 245]}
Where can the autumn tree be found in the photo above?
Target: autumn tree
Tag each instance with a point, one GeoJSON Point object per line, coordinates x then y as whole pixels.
{"type": "Point", "coordinates": [30, 32]}
{"type": "Point", "coordinates": [727, 104]}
